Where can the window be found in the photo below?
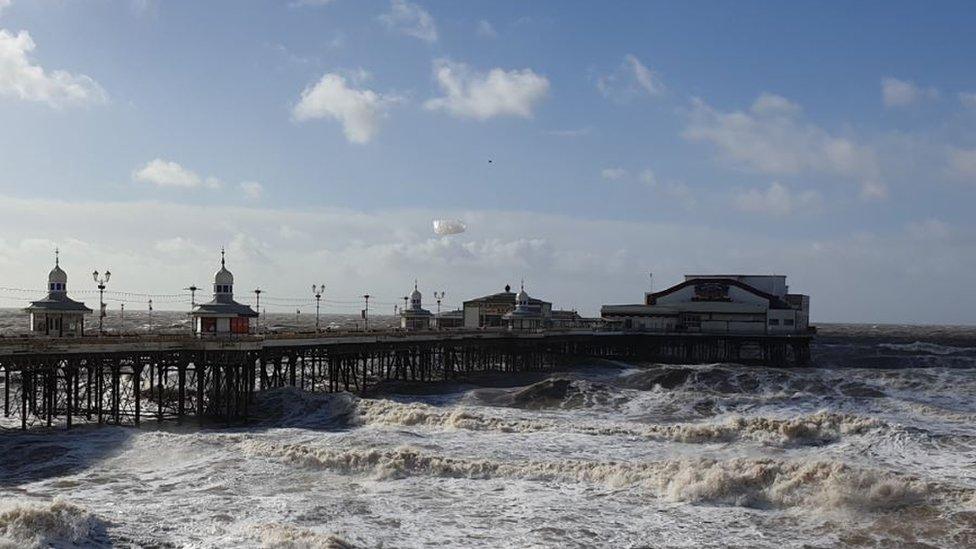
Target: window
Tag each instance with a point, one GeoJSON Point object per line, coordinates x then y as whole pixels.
{"type": "Point", "coordinates": [787, 322]}
{"type": "Point", "coordinates": [774, 322]}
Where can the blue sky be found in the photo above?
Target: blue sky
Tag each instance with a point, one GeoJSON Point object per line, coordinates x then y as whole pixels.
{"type": "Point", "coordinates": [833, 142]}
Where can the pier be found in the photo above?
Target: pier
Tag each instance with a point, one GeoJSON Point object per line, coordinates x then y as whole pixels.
{"type": "Point", "coordinates": [63, 382]}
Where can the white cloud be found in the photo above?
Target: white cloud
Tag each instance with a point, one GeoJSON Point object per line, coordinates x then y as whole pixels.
{"type": "Point", "coordinates": [962, 164]}
{"type": "Point", "coordinates": [771, 138]}
{"type": "Point", "coordinates": [614, 174]}
{"type": "Point", "coordinates": [164, 173]}
{"type": "Point", "coordinates": [481, 96]}
{"type": "Point", "coordinates": [410, 19]}
{"type": "Point", "coordinates": [4, 4]}
{"type": "Point", "coordinates": [630, 80]}
{"type": "Point", "coordinates": [252, 189]}
{"type": "Point", "coordinates": [777, 200]}
{"type": "Point", "coordinates": [358, 110]}
{"type": "Point", "coordinates": [21, 79]}
{"type": "Point", "coordinates": [968, 99]}
{"type": "Point", "coordinates": [485, 29]}
{"type": "Point", "coordinates": [901, 93]}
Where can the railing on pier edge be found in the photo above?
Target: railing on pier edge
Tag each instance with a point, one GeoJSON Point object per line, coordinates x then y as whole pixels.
{"type": "Point", "coordinates": [62, 382]}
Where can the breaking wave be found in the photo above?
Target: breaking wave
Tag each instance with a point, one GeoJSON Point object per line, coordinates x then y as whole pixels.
{"type": "Point", "coordinates": [758, 483]}
{"type": "Point", "coordinates": [279, 536]}
{"type": "Point", "coordinates": [55, 524]}
{"type": "Point", "coordinates": [818, 428]}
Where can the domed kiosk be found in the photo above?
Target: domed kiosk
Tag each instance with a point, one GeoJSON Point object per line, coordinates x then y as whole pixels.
{"type": "Point", "coordinates": [415, 317]}
{"type": "Point", "coordinates": [57, 314]}
{"type": "Point", "coordinates": [526, 315]}
{"type": "Point", "coordinates": [222, 315]}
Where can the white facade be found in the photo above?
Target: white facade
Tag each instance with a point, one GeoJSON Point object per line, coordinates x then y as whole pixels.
{"type": "Point", "coordinates": [718, 304]}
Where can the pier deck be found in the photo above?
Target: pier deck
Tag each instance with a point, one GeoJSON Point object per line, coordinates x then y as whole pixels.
{"type": "Point", "coordinates": [126, 380]}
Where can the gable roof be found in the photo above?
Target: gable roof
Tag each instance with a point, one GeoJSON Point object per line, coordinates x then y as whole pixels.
{"type": "Point", "coordinates": [774, 301]}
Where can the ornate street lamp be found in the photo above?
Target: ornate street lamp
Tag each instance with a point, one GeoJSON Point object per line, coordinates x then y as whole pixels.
{"type": "Point", "coordinates": [439, 296]}
{"type": "Point", "coordinates": [101, 281]}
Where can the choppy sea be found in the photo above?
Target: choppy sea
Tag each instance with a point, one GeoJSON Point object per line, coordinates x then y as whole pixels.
{"type": "Point", "coordinates": [872, 446]}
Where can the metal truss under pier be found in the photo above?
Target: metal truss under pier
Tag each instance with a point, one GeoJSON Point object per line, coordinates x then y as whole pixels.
{"type": "Point", "coordinates": [100, 380]}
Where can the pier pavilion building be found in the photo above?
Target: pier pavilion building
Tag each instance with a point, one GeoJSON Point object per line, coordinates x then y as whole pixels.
{"type": "Point", "coordinates": [746, 304]}
{"type": "Point", "coordinates": [222, 315]}
{"type": "Point", "coordinates": [415, 317]}
{"type": "Point", "coordinates": [489, 311]}
{"type": "Point", "coordinates": [525, 315]}
{"type": "Point", "coordinates": [57, 314]}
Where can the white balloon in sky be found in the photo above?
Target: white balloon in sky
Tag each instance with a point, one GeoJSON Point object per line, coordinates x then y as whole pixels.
{"type": "Point", "coordinates": [445, 227]}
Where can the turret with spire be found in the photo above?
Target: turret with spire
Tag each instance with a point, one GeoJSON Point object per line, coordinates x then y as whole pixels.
{"type": "Point", "coordinates": [57, 314]}
{"type": "Point", "coordinates": [223, 315]}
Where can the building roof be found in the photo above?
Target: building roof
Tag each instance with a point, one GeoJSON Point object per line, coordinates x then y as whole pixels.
{"type": "Point", "coordinates": [223, 308]}
{"type": "Point", "coordinates": [57, 302]}
{"type": "Point", "coordinates": [774, 301]}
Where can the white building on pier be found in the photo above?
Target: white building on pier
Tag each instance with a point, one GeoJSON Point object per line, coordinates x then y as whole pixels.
{"type": "Point", "coordinates": [57, 314]}
{"type": "Point", "coordinates": [415, 317]}
{"type": "Point", "coordinates": [222, 315]}
{"type": "Point", "coordinates": [747, 304]}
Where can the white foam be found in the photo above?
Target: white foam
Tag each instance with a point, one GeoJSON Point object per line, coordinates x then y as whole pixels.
{"type": "Point", "coordinates": [56, 523]}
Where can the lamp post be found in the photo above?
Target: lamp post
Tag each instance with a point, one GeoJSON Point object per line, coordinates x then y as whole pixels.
{"type": "Point", "coordinates": [122, 318]}
{"type": "Point", "coordinates": [193, 304]}
{"type": "Point", "coordinates": [438, 296]}
{"type": "Point", "coordinates": [193, 296]}
{"type": "Point", "coordinates": [257, 307]}
{"type": "Point", "coordinates": [150, 317]}
{"type": "Point", "coordinates": [101, 281]}
{"type": "Point", "coordinates": [317, 292]}
{"type": "Point", "coordinates": [366, 314]}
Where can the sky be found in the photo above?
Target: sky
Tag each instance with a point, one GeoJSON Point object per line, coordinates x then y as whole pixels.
{"type": "Point", "coordinates": [585, 145]}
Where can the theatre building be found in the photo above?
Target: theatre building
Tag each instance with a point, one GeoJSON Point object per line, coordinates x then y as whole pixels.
{"type": "Point", "coordinates": [748, 304]}
{"type": "Point", "coordinates": [57, 314]}
{"type": "Point", "coordinates": [222, 315]}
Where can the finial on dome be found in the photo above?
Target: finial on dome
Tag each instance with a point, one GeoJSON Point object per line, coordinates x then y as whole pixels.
{"type": "Point", "coordinates": [415, 284]}
{"type": "Point", "coordinates": [57, 259]}
{"type": "Point", "coordinates": [221, 256]}
{"type": "Point", "coordinates": [522, 285]}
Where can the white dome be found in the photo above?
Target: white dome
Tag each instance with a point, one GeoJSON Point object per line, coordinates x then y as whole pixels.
{"type": "Point", "coordinates": [57, 275]}
{"type": "Point", "coordinates": [415, 295]}
{"type": "Point", "coordinates": [521, 297]}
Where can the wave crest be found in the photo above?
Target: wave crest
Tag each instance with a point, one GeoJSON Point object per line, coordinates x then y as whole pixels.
{"type": "Point", "coordinates": [764, 483]}
{"type": "Point", "coordinates": [819, 428]}
{"type": "Point", "coordinates": [58, 523]}
{"type": "Point", "coordinates": [280, 536]}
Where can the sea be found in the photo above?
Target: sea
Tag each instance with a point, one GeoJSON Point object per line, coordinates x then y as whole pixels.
{"type": "Point", "coordinates": [873, 445]}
